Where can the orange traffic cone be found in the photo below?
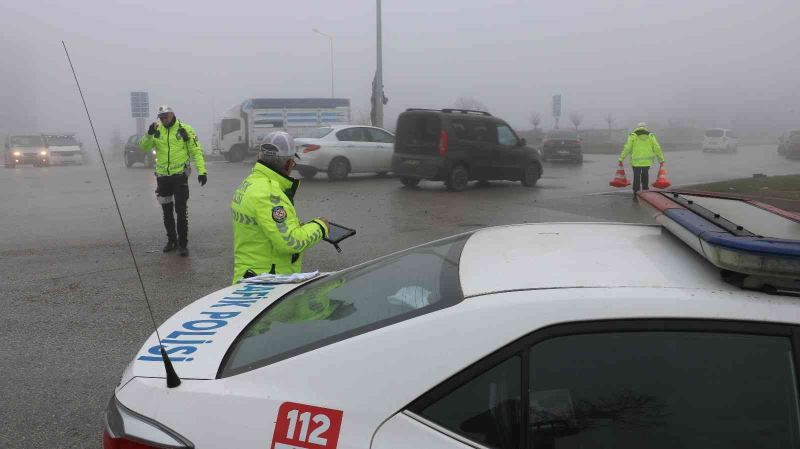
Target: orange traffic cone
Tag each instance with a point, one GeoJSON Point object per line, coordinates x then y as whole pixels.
{"type": "Point", "coordinates": [620, 180]}
{"type": "Point", "coordinates": [662, 182]}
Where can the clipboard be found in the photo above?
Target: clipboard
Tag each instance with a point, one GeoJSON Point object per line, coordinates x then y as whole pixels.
{"type": "Point", "coordinates": [337, 233]}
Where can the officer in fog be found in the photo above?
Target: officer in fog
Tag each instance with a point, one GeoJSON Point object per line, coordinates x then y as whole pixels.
{"type": "Point", "coordinates": [268, 237]}
{"type": "Point", "coordinates": [176, 144]}
{"type": "Point", "coordinates": [642, 146]}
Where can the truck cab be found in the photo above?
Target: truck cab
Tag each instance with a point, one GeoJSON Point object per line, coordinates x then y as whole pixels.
{"type": "Point", "coordinates": [23, 149]}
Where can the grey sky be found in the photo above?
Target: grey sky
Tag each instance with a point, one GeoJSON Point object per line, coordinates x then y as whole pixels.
{"type": "Point", "coordinates": [641, 60]}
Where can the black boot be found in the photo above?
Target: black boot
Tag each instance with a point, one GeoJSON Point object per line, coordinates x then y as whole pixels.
{"type": "Point", "coordinates": [169, 225]}
{"type": "Point", "coordinates": [183, 251]}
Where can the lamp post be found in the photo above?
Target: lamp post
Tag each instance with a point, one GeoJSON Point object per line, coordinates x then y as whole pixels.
{"type": "Point", "coordinates": [330, 39]}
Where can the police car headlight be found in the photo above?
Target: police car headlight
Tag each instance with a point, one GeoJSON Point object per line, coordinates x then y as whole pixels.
{"type": "Point", "coordinates": [125, 428]}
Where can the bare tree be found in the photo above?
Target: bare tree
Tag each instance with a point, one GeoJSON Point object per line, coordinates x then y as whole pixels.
{"type": "Point", "coordinates": [576, 118]}
{"type": "Point", "coordinates": [610, 120]}
{"type": "Point", "coordinates": [471, 103]}
{"type": "Point", "coordinates": [536, 119]}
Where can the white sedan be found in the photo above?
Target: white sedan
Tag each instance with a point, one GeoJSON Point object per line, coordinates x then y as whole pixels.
{"type": "Point", "coordinates": [341, 150]}
{"type": "Point", "coordinates": [539, 335]}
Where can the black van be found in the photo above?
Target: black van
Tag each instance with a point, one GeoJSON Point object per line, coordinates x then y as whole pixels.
{"type": "Point", "coordinates": [457, 146]}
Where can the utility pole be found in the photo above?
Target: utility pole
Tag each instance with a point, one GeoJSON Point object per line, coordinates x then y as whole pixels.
{"type": "Point", "coordinates": [379, 74]}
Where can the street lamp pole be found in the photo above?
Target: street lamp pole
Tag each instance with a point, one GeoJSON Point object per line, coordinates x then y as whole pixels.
{"type": "Point", "coordinates": [330, 39]}
{"type": "Point", "coordinates": [379, 72]}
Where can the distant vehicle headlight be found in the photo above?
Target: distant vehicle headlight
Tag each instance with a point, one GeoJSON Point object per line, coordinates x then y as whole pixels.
{"type": "Point", "coordinates": [17, 153]}
{"type": "Point", "coordinates": [154, 152]}
{"type": "Point", "coordinates": [43, 153]}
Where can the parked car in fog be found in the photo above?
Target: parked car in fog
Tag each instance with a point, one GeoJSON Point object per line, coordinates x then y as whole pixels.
{"type": "Point", "coordinates": [341, 150]}
{"type": "Point", "coordinates": [134, 154]}
{"type": "Point", "coordinates": [457, 146]}
{"type": "Point", "coordinates": [562, 144]}
{"type": "Point", "coordinates": [26, 150]}
{"type": "Point", "coordinates": [720, 139]}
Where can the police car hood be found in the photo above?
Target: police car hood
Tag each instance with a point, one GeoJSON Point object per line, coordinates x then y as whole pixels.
{"type": "Point", "coordinates": [198, 336]}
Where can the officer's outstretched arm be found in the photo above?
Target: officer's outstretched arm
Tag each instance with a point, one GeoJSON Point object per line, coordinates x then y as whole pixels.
{"type": "Point", "coordinates": [285, 231]}
{"type": "Point", "coordinates": [195, 150]}
{"type": "Point", "coordinates": [147, 142]}
{"type": "Point", "coordinates": [626, 150]}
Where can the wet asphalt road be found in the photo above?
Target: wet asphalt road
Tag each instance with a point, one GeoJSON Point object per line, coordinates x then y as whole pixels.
{"type": "Point", "coordinates": [71, 311]}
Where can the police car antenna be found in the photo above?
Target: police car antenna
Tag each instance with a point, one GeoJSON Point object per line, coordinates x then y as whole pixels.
{"type": "Point", "coordinates": [172, 377]}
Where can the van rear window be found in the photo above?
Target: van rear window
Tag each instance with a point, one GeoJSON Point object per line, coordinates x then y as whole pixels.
{"type": "Point", "coordinates": [418, 129]}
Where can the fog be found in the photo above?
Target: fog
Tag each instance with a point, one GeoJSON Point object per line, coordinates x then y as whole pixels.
{"type": "Point", "coordinates": [701, 62]}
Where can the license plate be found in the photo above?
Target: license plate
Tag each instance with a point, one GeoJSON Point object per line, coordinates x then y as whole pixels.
{"type": "Point", "coordinates": [412, 162]}
{"type": "Point", "coordinates": [563, 152]}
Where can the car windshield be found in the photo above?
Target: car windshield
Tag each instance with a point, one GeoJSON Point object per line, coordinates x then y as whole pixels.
{"type": "Point", "coordinates": [561, 134]}
{"type": "Point", "coordinates": [27, 141]}
{"type": "Point", "coordinates": [62, 141]}
{"type": "Point", "coordinates": [318, 133]}
{"type": "Point", "coordinates": [715, 133]}
{"type": "Point", "coordinates": [345, 304]}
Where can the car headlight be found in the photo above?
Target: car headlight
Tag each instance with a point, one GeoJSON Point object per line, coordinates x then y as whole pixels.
{"type": "Point", "coordinates": [154, 152]}
{"type": "Point", "coordinates": [43, 153]}
{"type": "Point", "coordinates": [17, 153]}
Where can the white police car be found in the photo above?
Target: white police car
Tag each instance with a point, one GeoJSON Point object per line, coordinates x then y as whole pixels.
{"type": "Point", "coordinates": [530, 336]}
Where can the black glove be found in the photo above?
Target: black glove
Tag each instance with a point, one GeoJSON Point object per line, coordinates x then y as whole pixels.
{"type": "Point", "coordinates": [202, 179]}
{"type": "Point", "coordinates": [152, 129]}
{"type": "Point", "coordinates": [183, 134]}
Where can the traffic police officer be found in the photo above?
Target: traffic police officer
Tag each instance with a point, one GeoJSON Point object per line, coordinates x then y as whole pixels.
{"type": "Point", "coordinates": [175, 142]}
{"type": "Point", "coordinates": [268, 237]}
{"type": "Point", "coordinates": [642, 146]}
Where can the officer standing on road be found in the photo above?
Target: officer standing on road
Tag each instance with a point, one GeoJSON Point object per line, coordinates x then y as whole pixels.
{"type": "Point", "coordinates": [268, 237]}
{"type": "Point", "coordinates": [642, 146]}
{"type": "Point", "coordinates": [175, 142]}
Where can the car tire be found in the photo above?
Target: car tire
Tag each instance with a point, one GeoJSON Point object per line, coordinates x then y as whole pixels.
{"type": "Point", "coordinates": [307, 172]}
{"type": "Point", "coordinates": [579, 159]}
{"type": "Point", "coordinates": [338, 169]}
{"type": "Point", "coordinates": [149, 161]}
{"type": "Point", "coordinates": [237, 153]}
{"type": "Point", "coordinates": [457, 179]}
{"type": "Point", "coordinates": [530, 175]}
{"type": "Point", "coordinates": [409, 181]}
{"type": "Point", "coordinates": [128, 161]}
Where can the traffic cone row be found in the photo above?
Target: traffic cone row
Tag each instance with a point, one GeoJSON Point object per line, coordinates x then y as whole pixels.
{"type": "Point", "coordinates": [662, 182]}
{"type": "Point", "coordinates": [620, 180]}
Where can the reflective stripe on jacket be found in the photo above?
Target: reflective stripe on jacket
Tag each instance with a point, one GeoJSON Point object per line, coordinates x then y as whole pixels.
{"type": "Point", "coordinates": [172, 152]}
{"type": "Point", "coordinates": [267, 234]}
{"type": "Point", "coordinates": [642, 148]}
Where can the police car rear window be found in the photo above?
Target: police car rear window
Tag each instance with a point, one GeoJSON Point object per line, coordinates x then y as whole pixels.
{"type": "Point", "coordinates": [359, 300]}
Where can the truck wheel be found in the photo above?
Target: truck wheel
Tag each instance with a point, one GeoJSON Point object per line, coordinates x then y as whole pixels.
{"type": "Point", "coordinates": [408, 181]}
{"type": "Point", "coordinates": [237, 154]}
{"type": "Point", "coordinates": [457, 179]}
{"type": "Point", "coordinates": [338, 169]}
{"type": "Point", "coordinates": [531, 175]}
{"type": "Point", "coordinates": [307, 172]}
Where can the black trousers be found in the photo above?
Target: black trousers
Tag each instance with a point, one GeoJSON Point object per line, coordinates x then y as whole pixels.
{"type": "Point", "coordinates": [641, 178]}
{"type": "Point", "coordinates": [173, 194]}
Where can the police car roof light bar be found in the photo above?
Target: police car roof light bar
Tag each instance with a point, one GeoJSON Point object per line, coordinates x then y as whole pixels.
{"type": "Point", "coordinates": [172, 377]}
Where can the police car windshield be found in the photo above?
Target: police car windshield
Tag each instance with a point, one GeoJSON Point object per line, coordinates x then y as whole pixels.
{"type": "Point", "coordinates": [392, 289]}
